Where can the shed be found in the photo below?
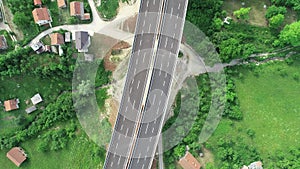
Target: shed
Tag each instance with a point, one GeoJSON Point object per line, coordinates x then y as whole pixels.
{"type": "Point", "coordinates": [17, 155]}
{"type": "Point", "coordinates": [12, 104]}
{"type": "Point", "coordinates": [36, 99]}
{"type": "Point", "coordinates": [30, 109]}
{"type": "Point", "coordinates": [67, 37]}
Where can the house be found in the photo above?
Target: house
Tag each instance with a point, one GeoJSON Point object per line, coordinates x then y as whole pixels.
{"type": "Point", "coordinates": [82, 40]}
{"type": "Point", "coordinates": [76, 9]}
{"type": "Point", "coordinates": [30, 109]}
{"type": "Point", "coordinates": [61, 3]}
{"type": "Point", "coordinates": [17, 155]}
{"type": "Point", "coordinates": [37, 2]}
{"type": "Point", "coordinates": [3, 43]}
{"type": "Point", "coordinates": [12, 104]}
{"type": "Point", "coordinates": [67, 37]}
{"type": "Point", "coordinates": [42, 16]}
{"type": "Point", "coordinates": [36, 99]}
{"type": "Point", "coordinates": [188, 161]}
{"type": "Point", "coordinates": [57, 39]}
{"type": "Point", "coordinates": [38, 47]}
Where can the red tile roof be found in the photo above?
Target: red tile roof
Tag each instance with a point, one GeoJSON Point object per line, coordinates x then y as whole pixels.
{"type": "Point", "coordinates": [76, 8]}
{"type": "Point", "coordinates": [11, 104]}
{"type": "Point", "coordinates": [189, 162]}
{"type": "Point", "coordinates": [57, 39]}
{"type": "Point", "coordinates": [16, 155]}
{"type": "Point", "coordinates": [37, 2]}
{"type": "Point", "coordinates": [61, 3]}
{"type": "Point", "coordinates": [40, 14]}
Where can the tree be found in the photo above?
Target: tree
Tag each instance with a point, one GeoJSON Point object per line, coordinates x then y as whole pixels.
{"type": "Point", "coordinates": [274, 10]}
{"type": "Point", "coordinates": [242, 13]}
{"type": "Point", "coordinates": [276, 21]}
{"type": "Point", "coordinates": [21, 20]}
{"type": "Point", "coordinates": [291, 34]}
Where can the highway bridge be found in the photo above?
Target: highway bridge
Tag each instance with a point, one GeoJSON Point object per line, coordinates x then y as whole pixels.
{"type": "Point", "coordinates": [147, 88]}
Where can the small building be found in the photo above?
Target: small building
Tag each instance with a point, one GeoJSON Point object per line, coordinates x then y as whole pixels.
{"type": "Point", "coordinates": [88, 57]}
{"type": "Point", "coordinates": [12, 104]}
{"type": "Point", "coordinates": [189, 162]}
{"type": "Point", "coordinates": [61, 3]}
{"type": "Point", "coordinates": [3, 43]}
{"type": "Point", "coordinates": [17, 155]}
{"type": "Point", "coordinates": [37, 2]}
{"type": "Point", "coordinates": [57, 39]}
{"type": "Point", "coordinates": [60, 51]}
{"type": "Point", "coordinates": [38, 47]}
{"type": "Point", "coordinates": [82, 40]}
{"type": "Point", "coordinates": [86, 16]}
{"type": "Point", "coordinates": [30, 109]}
{"type": "Point", "coordinates": [67, 37]}
{"type": "Point", "coordinates": [42, 16]}
{"type": "Point", "coordinates": [77, 9]}
{"type": "Point", "coordinates": [36, 99]}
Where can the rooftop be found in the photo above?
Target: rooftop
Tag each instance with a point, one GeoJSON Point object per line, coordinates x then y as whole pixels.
{"type": "Point", "coordinates": [37, 2]}
{"type": "Point", "coordinates": [36, 99]}
{"type": "Point", "coordinates": [17, 155]}
{"type": "Point", "coordinates": [11, 104]}
{"type": "Point", "coordinates": [189, 162]}
{"type": "Point", "coordinates": [57, 39]}
{"type": "Point", "coordinates": [40, 14]}
{"type": "Point", "coordinates": [76, 8]}
{"type": "Point", "coordinates": [61, 3]}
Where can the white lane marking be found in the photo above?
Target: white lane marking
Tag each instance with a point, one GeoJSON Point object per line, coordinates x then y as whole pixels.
{"type": "Point", "coordinates": [119, 136]}
{"type": "Point", "coordinates": [141, 42]}
{"type": "Point", "coordinates": [111, 164]}
{"type": "Point", "coordinates": [130, 90]}
{"type": "Point", "coordinates": [122, 127]}
{"type": "Point", "coordinates": [175, 25]}
{"type": "Point", "coordinates": [119, 160]}
{"type": "Point", "coordinates": [147, 4]}
{"type": "Point", "coordinates": [133, 104]}
{"type": "Point", "coordinates": [154, 99]}
{"type": "Point", "coordinates": [139, 158]}
{"type": "Point", "coordinates": [168, 64]}
{"type": "Point", "coordinates": [166, 42]}
{"type": "Point", "coordinates": [134, 71]}
{"type": "Point", "coordinates": [164, 83]}
{"type": "Point", "coordinates": [150, 139]}
{"type": "Point", "coordinates": [154, 2]}
{"type": "Point", "coordinates": [138, 85]}
{"type": "Point", "coordinates": [159, 103]}
{"type": "Point", "coordinates": [174, 36]}
{"type": "Point", "coordinates": [166, 74]}
{"type": "Point", "coordinates": [127, 131]}
{"type": "Point", "coordinates": [148, 149]}
{"type": "Point", "coordinates": [179, 6]}
{"type": "Point", "coordinates": [144, 23]}
{"type": "Point", "coordinates": [125, 111]}
{"type": "Point", "coordinates": [143, 166]}
{"type": "Point", "coordinates": [157, 111]}
{"type": "Point", "coordinates": [147, 128]}
{"type": "Point", "coordinates": [152, 129]}
{"type": "Point", "coordinates": [117, 145]}
{"type": "Point", "coordinates": [172, 45]}
{"type": "Point", "coordinates": [144, 57]}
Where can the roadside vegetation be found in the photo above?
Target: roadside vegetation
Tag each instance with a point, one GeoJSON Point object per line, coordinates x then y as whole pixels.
{"type": "Point", "coordinates": [261, 112]}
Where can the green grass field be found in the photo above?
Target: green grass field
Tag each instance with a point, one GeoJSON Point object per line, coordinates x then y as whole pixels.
{"type": "Point", "coordinates": [23, 88]}
{"type": "Point", "coordinates": [270, 106]}
{"type": "Point", "coordinates": [77, 155]}
{"type": "Point", "coordinates": [270, 103]}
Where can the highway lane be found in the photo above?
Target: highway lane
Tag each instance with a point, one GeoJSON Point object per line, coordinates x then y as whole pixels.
{"type": "Point", "coordinates": [157, 101]}
{"type": "Point", "coordinates": [137, 75]}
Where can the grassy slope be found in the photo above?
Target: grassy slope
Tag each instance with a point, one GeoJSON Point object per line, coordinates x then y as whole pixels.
{"type": "Point", "coordinates": [28, 86]}
{"type": "Point", "coordinates": [270, 104]}
{"type": "Point", "coordinates": [77, 155]}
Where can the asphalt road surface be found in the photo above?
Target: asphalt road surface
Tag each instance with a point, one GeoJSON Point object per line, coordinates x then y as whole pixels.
{"type": "Point", "coordinates": [137, 75]}
{"type": "Point", "coordinates": [147, 89]}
